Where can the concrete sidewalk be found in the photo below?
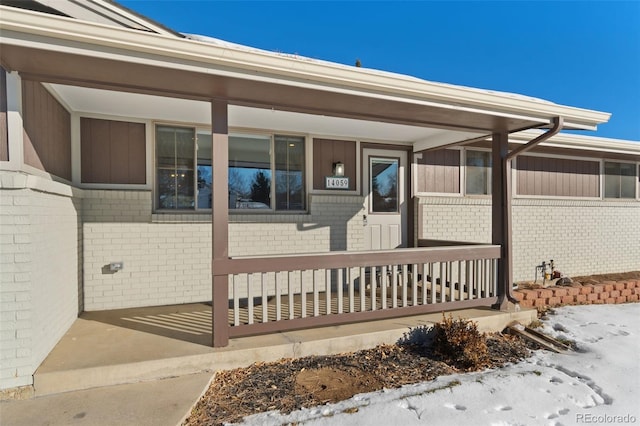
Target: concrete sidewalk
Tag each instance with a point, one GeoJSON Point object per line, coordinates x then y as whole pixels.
{"type": "Point", "coordinates": [153, 403]}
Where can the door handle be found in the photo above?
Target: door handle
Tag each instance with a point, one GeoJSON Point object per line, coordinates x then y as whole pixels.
{"type": "Point", "coordinates": [364, 220]}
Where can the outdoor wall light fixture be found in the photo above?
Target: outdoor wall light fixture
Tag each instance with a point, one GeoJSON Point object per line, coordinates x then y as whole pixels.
{"type": "Point", "coordinates": [338, 169]}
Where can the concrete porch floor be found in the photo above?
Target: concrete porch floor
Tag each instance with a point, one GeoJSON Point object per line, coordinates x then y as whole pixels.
{"type": "Point", "coordinates": [133, 345]}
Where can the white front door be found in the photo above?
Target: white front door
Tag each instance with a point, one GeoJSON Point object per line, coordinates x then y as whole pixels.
{"type": "Point", "coordinates": [384, 186]}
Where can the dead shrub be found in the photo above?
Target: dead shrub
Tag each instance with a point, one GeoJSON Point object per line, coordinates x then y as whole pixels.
{"type": "Point", "coordinates": [460, 344]}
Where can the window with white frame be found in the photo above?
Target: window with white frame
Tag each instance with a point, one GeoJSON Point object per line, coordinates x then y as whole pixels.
{"type": "Point", "coordinates": [620, 180]}
{"type": "Point", "coordinates": [478, 172]}
{"type": "Point", "coordinates": [266, 172]}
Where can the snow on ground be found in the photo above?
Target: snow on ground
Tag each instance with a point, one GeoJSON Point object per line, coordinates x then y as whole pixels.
{"type": "Point", "coordinates": [598, 384]}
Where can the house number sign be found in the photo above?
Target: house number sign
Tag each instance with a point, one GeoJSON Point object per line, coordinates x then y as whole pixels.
{"type": "Point", "coordinates": [333, 182]}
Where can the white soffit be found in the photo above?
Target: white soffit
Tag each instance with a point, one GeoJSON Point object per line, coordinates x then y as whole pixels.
{"type": "Point", "coordinates": [444, 137]}
{"type": "Point", "coordinates": [124, 105]}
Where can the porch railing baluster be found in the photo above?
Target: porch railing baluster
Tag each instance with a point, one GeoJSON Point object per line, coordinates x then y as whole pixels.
{"type": "Point", "coordinates": [339, 290]}
{"type": "Point", "coordinates": [414, 284]}
{"type": "Point", "coordinates": [432, 271]}
{"type": "Point", "coordinates": [373, 289]}
{"type": "Point", "coordinates": [316, 294]}
{"type": "Point", "coordinates": [383, 287]}
{"type": "Point", "coordinates": [327, 290]}
{"type": "Point", "coordinates": [350, 279]}
{"type": "Point", "coordinates": [265, 306]}
{"type": "Point", "coordinates": [405, 285]}
{"type": "Point", "coordinates": [394, 286]}
{"type": "Point", "coordinates": [363, 289]}
{"type": "Point", "coordinates": [236, 301]}
{"type": "Point", "coordinates": [278, 297]}
{"type": "Point", "coordinates": [425, 271]}
{"type": "Point", "coordinates": [290, 296]}
{"type": "Point", "coordinates": [303, 297]}
{"type": "Point", "coordinates": [250, 298]}
{"type": "Point", "coordinates": [442, 283]}
{"type": "Point", "coordinates": [494, 265]}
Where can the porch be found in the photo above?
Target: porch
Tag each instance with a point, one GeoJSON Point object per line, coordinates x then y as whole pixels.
{"type": "Point", "coordinates": [132, 345]}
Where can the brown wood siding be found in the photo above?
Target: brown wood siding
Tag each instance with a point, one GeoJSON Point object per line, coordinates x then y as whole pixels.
{"type": "Point", "coordinates": [328, 151]}
{"type": "Point", "coordinates": [4, 136]}
{"type": "Point", "coordinates": [47, 127]}
{"type": "Point", "coordinates": [557, 177]}
{"type": "Point", "coordinates": [439, 171]}
{"type": "Point", "coordinates": [112, 151]}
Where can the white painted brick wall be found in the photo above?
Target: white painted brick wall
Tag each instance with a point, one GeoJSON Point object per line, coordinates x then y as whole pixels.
{"type": "Point", "coordinates": [167, 260]}
{"type": "Point", "coordinates": [582, 237]}
{"type": "Point", "coordinates": [39, 263]}
{"type": "Point", "coordinates": [334, 223]}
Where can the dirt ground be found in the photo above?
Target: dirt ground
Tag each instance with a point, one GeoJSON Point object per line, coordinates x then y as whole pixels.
{"type": "Point", "coordinates": [291, 384]}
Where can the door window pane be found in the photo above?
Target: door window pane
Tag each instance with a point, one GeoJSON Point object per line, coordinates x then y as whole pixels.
{"type": "Point", "coordinates": [249, 172]}
{"type": "Point", "coordinates": [478, 178]}
{"type": "Point", "coordinates": [383, 174]}
{"type": "Point", "coordinates": [289, 162]}
{"type": "Point", "coordinates": [175, 166]}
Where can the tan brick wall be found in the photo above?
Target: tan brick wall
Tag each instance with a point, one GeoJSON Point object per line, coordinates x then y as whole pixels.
{"type": "Point", "coordinates": [582, 237]}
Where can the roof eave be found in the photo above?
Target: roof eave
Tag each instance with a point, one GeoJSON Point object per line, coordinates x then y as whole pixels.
{"type": "Point", "coordinates": [291, 70]}
{"type": "Point", "coordinates": [581, 142]}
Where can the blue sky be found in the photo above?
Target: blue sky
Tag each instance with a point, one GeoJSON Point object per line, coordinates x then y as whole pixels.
{"type": "Point", "coordinates": [579, 53]}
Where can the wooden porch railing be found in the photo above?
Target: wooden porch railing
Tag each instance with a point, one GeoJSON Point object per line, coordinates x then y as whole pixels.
{"type": "Point", "coordinates": [275, 293]}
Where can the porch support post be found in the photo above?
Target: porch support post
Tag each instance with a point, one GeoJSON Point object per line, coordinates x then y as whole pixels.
{"type": "Point", "coordinates": [220, 220]}
{"type": "Point", "coordinates": [501, 215]}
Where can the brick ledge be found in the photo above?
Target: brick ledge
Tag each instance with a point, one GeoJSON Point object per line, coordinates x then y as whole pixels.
{"type": "Point", "coordinates": [609, 292]}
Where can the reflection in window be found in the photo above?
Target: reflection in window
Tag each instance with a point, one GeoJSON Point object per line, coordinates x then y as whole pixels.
{"type": "Point", "coordinates": [619, 180]}
{"type": "Point", "coordinates": [205, 171]}
{"type": "Point", "coordinates": [478, 178]}
{"type": "Point", "coordinates": [265, 171]}
{"type": "Point", "coordinates": [289, 162]}
{"type": "Point", "coordinates": [249, 172]}
{"type": "Point", "coordinates": [174, 159]}
{"type": "Point", "coordinates": [383, 174]}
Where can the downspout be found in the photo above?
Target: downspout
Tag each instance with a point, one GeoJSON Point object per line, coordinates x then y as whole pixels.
{"type": "Point", "coordinates": [506, 165]}
{"type": "Point", "coordinates": [557, 126]}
